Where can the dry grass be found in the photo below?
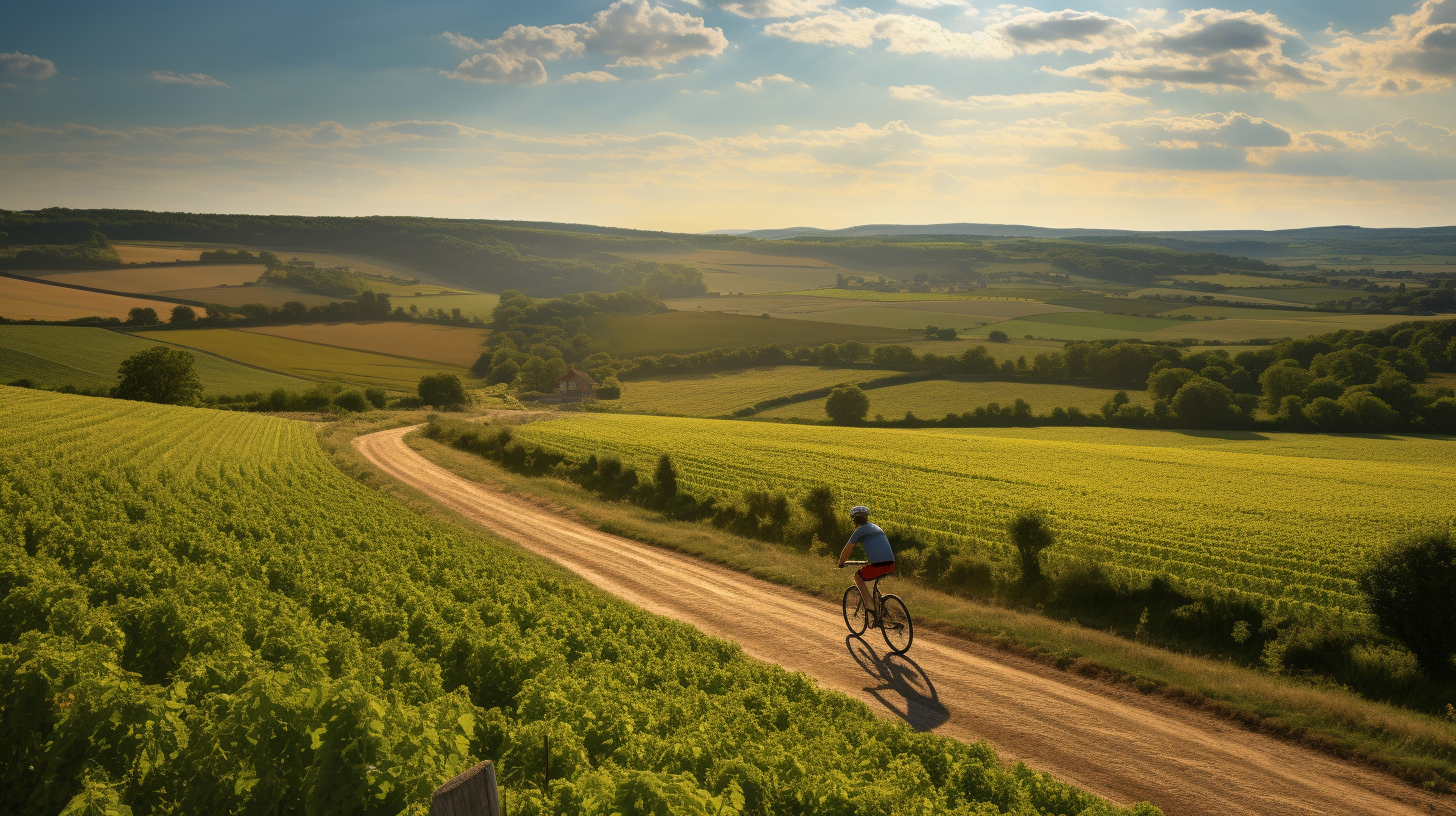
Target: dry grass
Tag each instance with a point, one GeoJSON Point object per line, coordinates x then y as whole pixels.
{"type": "Point", "coordinates": [267, 294]}
{"type": "Point", "coordinates": [444, 344]}
{"type": "Point", "coordinates": [162, 279]}
{"type": "Point", "coordinates": [719, 394]}
{"type": "Point", "coordinates": [26, 300]}
{"type": "Point", "coordinates": [146, 253]}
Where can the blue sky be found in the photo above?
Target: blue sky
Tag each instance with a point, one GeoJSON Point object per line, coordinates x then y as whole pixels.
{"type": "Point", "coordinates": [673, 114]}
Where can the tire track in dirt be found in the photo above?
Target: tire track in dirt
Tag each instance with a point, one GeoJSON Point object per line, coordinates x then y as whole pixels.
{"type": "Point", "coordinates": [1112, 741]}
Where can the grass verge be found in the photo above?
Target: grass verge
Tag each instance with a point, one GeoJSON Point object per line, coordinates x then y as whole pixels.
{"type": "Point", "coordinates": [1416, 747]}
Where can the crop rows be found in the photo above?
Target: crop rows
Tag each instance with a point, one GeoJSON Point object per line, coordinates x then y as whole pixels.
{"type": "Point", "coordinates": [201, 614]}
{"type": "Point", "coordinates": [1281, 520]}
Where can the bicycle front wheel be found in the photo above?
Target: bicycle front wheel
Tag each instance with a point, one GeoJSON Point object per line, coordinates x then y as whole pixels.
{"type": "Point", "coordinates": [854, 613]}
{"type": "Point", "coordinates": [896, 626]}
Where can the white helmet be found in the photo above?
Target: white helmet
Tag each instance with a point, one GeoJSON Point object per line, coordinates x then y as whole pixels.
{"type": "Point", "coordinates": [858, 510]}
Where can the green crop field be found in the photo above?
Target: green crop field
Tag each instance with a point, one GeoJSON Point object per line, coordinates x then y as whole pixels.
{"type": "Point", "coordinates": [722, 394]}
{"type": "Point", "coordinates": [470, 304]}
{"type": "Point", "coordinates": [891, 297]}
{"type": "Point", "coordinates": [51, 356]}
{"type": "Point", "coordinates": [933, 399]}
{"type": "Point", "coordinates": [1244, 281]}
{"type": "Point", "coordinates": [683, 332]}
{"type": "Point", "coordinates": [203, 614]}
{"type": "Point", "coordinates": [456, 345]}
{"type": "Point", "coordinates": [309, 361]}
{"type": "Point", "coordinates": [1278, 518]}
{"type": "Point", "coordinates": [1310, 295]}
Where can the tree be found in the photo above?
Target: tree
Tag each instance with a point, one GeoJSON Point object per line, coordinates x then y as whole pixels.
{"type": "Point", "coordinates": [1031, 535]}
{"type": "Point", "coordinates": [443, 391]}
{"type": "Point", "coordinates": [540, 374]}
{"type": "Point", "coordinates": [159, 374]}
{"type": "Point", "coordinates": [665, 479]}
{"type": "Point", "coordinates": [182, 315]}
{"type": "Point", "coordinates": [1162, 385]}
{"type": "Point", "coordinates": [1203, 403]}
{"type": "Point", "coordinates": [142, 316]}
{"type": "Point", "coordinates": [1408, 587]}
{"type": "Point", "coordinates": [998, 336]}
{"type": "Point", "coordinates": [847, 404]}
{"type": "Point", "coordinates": [1283, 379]}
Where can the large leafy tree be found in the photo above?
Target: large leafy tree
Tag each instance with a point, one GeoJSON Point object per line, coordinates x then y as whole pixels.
{"type": "Point", "coordinates": [847, 404]}
{"type": "Point", "coordinates": [160, 374]}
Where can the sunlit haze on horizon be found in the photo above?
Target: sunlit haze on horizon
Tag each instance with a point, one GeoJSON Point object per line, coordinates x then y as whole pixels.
{"type": "Point", "coordinates": [696, 115]}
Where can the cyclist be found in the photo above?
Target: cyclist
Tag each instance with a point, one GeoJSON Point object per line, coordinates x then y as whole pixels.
{"type": "Point", "coordinates": [876, 548]}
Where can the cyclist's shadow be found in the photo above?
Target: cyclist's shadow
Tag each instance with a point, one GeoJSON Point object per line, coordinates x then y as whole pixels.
{"type": "Point", "coordinates": [904, 688]}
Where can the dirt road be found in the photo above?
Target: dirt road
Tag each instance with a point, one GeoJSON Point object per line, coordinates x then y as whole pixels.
{"type": "Point", "coordinates": [1119, 744]}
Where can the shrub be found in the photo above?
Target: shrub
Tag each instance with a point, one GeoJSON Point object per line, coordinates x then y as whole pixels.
{"type": "Point", "coordinates": [142, 316]}
{"type": "Point", "coordinates": [443, 391]}
{"type": "Point", "coordinates": [182, 315]}
{"type": "Point", "coordinates": [376, 397]}
{"type": "Point", "coordinates": [1408, 586]}
{"type": "Point", "coordinates": [998, 336]}
{"type": "Point", "coordinates": [354, 401]}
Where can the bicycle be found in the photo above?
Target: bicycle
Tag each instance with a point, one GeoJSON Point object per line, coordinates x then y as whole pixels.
{"type": "Point", "coordinates": [892, 618]}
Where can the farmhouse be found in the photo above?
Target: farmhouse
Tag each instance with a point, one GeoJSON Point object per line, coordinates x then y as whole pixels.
{"type": "Point", "coordinates": [574, 386]}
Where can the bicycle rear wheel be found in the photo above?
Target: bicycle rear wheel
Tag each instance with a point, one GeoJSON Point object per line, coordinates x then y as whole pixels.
{"type": "Point", "coordinates": [854, 613]}
{"type": "Point", "coordinates": [896, 626]}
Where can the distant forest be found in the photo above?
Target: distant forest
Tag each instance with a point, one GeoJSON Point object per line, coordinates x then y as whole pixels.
{"type": "Point", "coordinates": [544, 260]}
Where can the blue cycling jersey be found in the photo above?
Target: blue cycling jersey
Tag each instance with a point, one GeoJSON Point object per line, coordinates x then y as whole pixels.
{"type": "Point", "coordinates": [876, 544]}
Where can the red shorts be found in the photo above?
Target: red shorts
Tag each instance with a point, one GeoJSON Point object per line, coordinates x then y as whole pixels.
{"type": "Point", "coordinates": [869, 572]}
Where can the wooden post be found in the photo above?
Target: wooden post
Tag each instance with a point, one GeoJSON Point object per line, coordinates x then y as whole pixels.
{"type": "Point", "coordinates": [472, 793]}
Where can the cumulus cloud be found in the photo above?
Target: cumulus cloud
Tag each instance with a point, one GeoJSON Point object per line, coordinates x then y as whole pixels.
{"type": "Point", "coordinates": [493, 66]}
{"type": "Point", "coordinates": [757, 84]}
{"type": "Point", "coordinates": [930, 4]}
{"type": "Point", "coordinates": [1065, 100]}
{"type": "Point", "coordinates": [1233, 130]}
{"type": "Point", "coordinates": [1037, 31]}
{"type": "Point", "coordinates": [902, 33]}
{"type": "Point", "coordinates": [1415, 53]}
{"type": "Point", "coordinates": [27, 65]}
{"type": "Point", "coordinates": [775, 8]}
{"type": "Point", "coordinates": [635, 32]}
{"type": "Point", "coordinates": [1210, 50]}
{"type": "Point", "coordinates": [67, 132]}
{"type": "Point", "coordinates": [198, 80]}
{"type": "Point", "coordinates": [589, 76]}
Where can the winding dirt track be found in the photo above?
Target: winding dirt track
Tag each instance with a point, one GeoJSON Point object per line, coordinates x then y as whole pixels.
{"type": "Point", "coordinates": [1119, 744]}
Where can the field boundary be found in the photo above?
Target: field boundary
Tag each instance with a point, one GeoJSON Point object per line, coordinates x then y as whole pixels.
{"type": "Point", "coordinates": [113, 292]}
{"type": "Point", "coordinates": [212, 354]}
{"type": "Point", "coordinates": [350, 348]}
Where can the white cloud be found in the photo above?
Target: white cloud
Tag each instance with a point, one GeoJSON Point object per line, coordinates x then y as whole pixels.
{"type": "Point", "coordinates": [1066, 100]}
{"type": "Point", "coordinates": [1059, 31]}
{"type": "Point", "coordinates": [775, 8]}
{"type": "Point", "coordinates": [930, 4]}
{"type": "Point", "coordinates": [492, 67]}
{"type": "Point", "coordinates": [589, 76]}
{"type": "Point", "coordinates": [1210, 50]}
{"type": "Point", "coordinates": [668, 76]}
{"type": "Point", "coordinates": [27, 65]}
{"type": "Point", "coordinates": [903, 34]}
{"type": "Point", "coordinates": [757, 84]}
{"type": "Point", "coordinates": [198, 80]}
{"type": "Point", "coordinates": [637, 33]}
{"type": "Point", "coordinates": [1415, 53]}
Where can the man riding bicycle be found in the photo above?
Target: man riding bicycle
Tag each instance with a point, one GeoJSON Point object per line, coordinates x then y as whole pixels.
{"type": "Point", "coordinates": [876, 548]}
